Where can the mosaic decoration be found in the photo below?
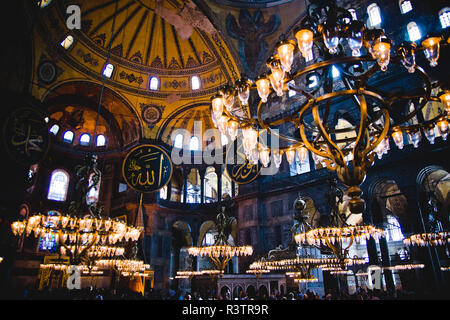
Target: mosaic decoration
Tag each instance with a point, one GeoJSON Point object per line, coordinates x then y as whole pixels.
{"type": "Point", "coordinates": [250, 33]}
{"type": "Point", "coordinates": [131, 77]}
{"type": "Point", "coordinates": [47, 72]}
{"type": "Point", "coordinates": [151, 114]}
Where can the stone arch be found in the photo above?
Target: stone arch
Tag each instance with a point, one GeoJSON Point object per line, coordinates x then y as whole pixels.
{"type": "Point", "coordinates": [224, 291]}
{"type": "Point", "coordinates": [237, 291]}
{"type": "Point", "coordinates": [387, 199]}
{"type": "Point", "coordinates": [250, 291]}
{"type": "Point", "coordinates": [435, 180]}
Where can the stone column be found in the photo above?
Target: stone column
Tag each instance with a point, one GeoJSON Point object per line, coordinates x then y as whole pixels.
{"type": "Point", "coordinates": [219, 183]}
{"type": "Point", "coordinates": [201, 172]}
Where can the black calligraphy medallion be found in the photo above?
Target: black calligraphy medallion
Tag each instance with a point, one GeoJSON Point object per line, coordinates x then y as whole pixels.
{"type": "Point", "coordinates": [26, 136]}
{"type": "Point", "coordinates": [147, 168]}
{"type": "Point", "coordinates": [238, 167]}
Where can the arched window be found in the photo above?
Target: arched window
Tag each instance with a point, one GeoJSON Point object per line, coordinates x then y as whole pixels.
{"type": "Point", "coordinates": [405, 6]}
{"type": "Point", "coordinates": [54, 129]}
{"type": "Point", "coordinates": [85, 139]}
{"type": "Point", "coordinates": [163, 193]}
{"type": "Point", "coordinates": [193, 187]}
{"type": "Point", "coordinates": [374, 15]}
{"type": "Point", "coordinates": [101, 140]}
{"type": "Point", "coordinates": [208, 239]}
{"type": "Point", "coordinates": [226, 184]}
{"type": "Point", "coordinates": [107, 72]}
{"type": "Point", "coordinates": [413, 31]}
{"type": "Point", "coordinates": [444, 17]}
{"type": "Point", "coordinates": [178, 142]}
{"type": "Point", "coordinates": [195, 83]}
{"type": "Point", "coordinates": [59, 183]}
{"type": "Point", "coordinates": [67, 42]}
{"type": "Point", "coordinates": [394, 230]}
{"type": "Point", "coordinates": [93, 194]}
{"type": "Point", "coordinates": [68, 136]}
{"type": "Point", "coordinates": [210, 185]}
{"type": "Point", "coordinates": [154, 83]}
{"type": "Point", "coordinates": [194, 144]}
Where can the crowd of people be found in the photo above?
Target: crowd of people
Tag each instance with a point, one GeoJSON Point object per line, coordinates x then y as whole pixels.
{"type": "Point", "coordinates": [91, 293]}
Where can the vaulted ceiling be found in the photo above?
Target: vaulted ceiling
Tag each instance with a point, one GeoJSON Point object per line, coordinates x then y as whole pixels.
{"type": "Point", "coordinates": [218, 41]}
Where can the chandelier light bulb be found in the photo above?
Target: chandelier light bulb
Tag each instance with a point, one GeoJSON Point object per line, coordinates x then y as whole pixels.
{"type": "Point", "coordinates": [264, 156]}
{"type": "Point", "coordinates": [263, 87]}
{"type": "Point", "coordinates": [408, 56]}
{"type": "Point", "coordinates": [222, 123]}
{"type": "Point", "coordinates": [243, 90]}
{"type": "Point", "coordinates": [276, 85]}
{"type": "Point", "coordinates": [382, 53]}
{"type": "Point", "coordinates": [302, 154]}
{"type": "Point", "coordinates": [431, 49]}
{"type": "Point", "coordinates": [442, 125]}
{"type": "Point", "coordinates": [414, 138]}
{"type": "Point", "coordinates": [445, 99]}
{"type": "Point", "coordinates": [290, 155]}
{"type": "Point", "coordinates": [331, 39]}
{"type": "Point", "coordinates": [397, 136]}
{"type": "Point", "coordinates": [232, 129]}
{"type": "Point", "coordinates": [277, 157]}
{"type": "Point", "coordinates": [228, 97]}
{"type": "Point", "coordinates": [305, 39]}
{"type": "Point", "coordinates": [430, 134]}
{"type": "Point", "coordinates": [217, 104]}
{"type": "Point", "coordinates": [285, 52]}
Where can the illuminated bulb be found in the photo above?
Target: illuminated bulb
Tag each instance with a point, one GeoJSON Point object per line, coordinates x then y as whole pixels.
{"type": "Point", "coordinates": [414, 138]}
{"type": "Point", "coordinates": [264, 156]}
{"type": "Point", "coordinates": [397, 136]}
{"type": "Point", "coordinates": [277, 154]}
{"type": "Point", "coordinates": [331, 38]}
{"type": "Point", "coordinates": [217, 104]}
{"type": "Point", "coordinates": [442, 125]}
{"type": "Point", "coordinates": [430, 134]}
{"type": "Point", "coordinates": [406, 51]}
{"type": "Point", "coordinates": [243, 90]}
{"type": "Point", "coordinates": [263, 86]}
{"type": "Point", "coordinates": [276, 85]}
{"type": "Point", "coordinates": [290, 155]}
{"type": "Point", "coordinates": [445, 99]}
{"type": "Point", "coordinates": [431, 49]}
{"type": "Point", "coordinates": [382, 52]}
{"type": "Point", "coordinates": [228, 97]}
{"type": "Point", "coordinates": [305, 39]}
{"type": "Point", "coordinates": [222, 123]}
{"type": "Point", "coordinates": [232, 129]}
{"type": "Point", "coordinates": [285, 52]}
{"type": "Point", "coordinates": [302, 154]}
{"type": "Point", "coordinates": [274, 64]}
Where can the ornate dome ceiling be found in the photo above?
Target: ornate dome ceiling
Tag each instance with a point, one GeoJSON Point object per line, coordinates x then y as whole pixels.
{"type": "Point", "coordinates": [170, 40]}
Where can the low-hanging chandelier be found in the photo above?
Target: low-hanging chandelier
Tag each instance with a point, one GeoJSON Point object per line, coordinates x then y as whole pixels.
{"type": "Point", "coordinates": [84, 235]}
{"type": "Point", "coordinates": [327, 39]}
{"type": "Point", "coordinates": [221, 252]}
{"type": "Point", "coordinates": [338, 236]}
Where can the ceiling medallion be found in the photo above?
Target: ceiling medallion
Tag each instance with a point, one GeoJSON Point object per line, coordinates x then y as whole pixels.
{"type": "Point", "coordinates": [151, 114]}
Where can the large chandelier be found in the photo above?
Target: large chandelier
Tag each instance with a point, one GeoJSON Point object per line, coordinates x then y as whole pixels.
{"type": "Point", "coordinates": [221, 251]}
{"type": "Point", "coordinates": [330, 40]}
{"type": "Point", "coordinates": [84, 234]}
{"type": "Point", "coordinates": [339, 236]}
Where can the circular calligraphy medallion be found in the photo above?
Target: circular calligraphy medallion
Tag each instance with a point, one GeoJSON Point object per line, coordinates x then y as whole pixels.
{"type": "Point", "coordinates": [47, 72]}
{"type": "Point", "coordinates": [26, 136]}
{"type": "Point", "coordinates": [238, 168]}
{"type": "Point", "coordinates": [151, 114]}
{"type": "Point", "coordinates": [147, 168]}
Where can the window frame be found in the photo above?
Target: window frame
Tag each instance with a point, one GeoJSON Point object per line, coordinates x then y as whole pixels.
{"type": "Point", "coordinates": [51, 186]}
